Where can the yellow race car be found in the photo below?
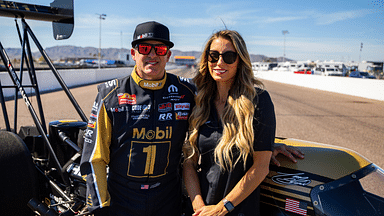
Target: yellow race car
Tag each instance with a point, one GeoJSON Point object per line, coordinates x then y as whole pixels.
{"type": "Point", "coordinates": [330, 181]}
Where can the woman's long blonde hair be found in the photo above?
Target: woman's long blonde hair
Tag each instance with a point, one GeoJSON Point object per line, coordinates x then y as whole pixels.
{"type": "Point", "coordinates": [238, 116]}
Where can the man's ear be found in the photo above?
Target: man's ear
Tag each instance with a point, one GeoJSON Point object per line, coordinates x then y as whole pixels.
{"type": "Point", "coordinates": [133, 54]}
{"type": "Point", "coordinates": [169, 55]}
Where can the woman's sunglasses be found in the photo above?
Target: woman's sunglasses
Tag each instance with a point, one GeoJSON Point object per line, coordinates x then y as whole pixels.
{"type": "Point", "coordinates": [229, 57]}
{"type": "Point", "coordinates": [145, 49]}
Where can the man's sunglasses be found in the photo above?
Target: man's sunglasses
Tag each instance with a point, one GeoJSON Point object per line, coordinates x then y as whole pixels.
{"type": "Point", "coordinates": [145, 49]}
{"type": "Point", "coordinates": [229, 57]}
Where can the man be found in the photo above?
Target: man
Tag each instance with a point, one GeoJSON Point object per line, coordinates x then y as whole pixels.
{"type": "Point", "coordinates": [137, 128]}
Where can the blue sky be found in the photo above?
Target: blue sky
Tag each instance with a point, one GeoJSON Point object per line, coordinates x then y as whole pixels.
{"type": "Point", "coordinates": [318, 29]}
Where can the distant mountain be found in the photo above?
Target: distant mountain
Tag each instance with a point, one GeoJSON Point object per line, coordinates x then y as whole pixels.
{"type": "Point", "coordinates": [63, 52]}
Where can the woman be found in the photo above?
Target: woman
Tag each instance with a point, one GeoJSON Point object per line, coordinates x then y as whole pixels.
{"type": "Point", "coordinates": [232, 130]}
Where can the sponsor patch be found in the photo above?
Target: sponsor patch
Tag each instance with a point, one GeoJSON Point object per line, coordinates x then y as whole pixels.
{"type": "Point", "coordinates": [183, 79]}
{"type": "Point", "coordinates": [165, 107]}
{"type": "Point", "coordinates": [88, 133]}
{"type": "Point", "coordinates": [172, 89]}
{"type": "Point", "coordinates": [145, 35]}
{"type": "Point", "coordinates": [110, 83]}
{"type": "Point", "coordinates": [125, 98]}
{"type": "Point", "coordinates": [165, 116]}
{"type": "Point", "coordinates": [141, 108]}
{"type": "Point", "coordinates": [174, 97]}
{"type": "Point", "coordinates": [152, 84]}
{"type": "Point", "coordinates": [119, 109]}
{"type": "Point", "coordinates": [181, 116]}
{"type": "Point", "coordinates": [95, 106]}
{"type": "Point", "coordinates": [91, 124]}
{"type": "Point", "coordinates": [182, 106]}
{"type": "Point", "coordinates": [141, 116]}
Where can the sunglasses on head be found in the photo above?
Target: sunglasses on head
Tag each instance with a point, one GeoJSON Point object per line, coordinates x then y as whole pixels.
{"type": "Point", "coordinates": [145, 49]}
{"type": "Point", "coordinates": [229, 57]}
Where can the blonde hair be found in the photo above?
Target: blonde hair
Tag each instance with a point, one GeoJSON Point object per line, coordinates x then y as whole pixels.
{"type": "Point", "coordinates": [238, 115]}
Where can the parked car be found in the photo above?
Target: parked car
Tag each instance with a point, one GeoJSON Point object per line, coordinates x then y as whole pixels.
{"type": "Point", "coordinates": [361, 74]}
{"type": "Point", "coordinates": [303, 71]}
{"type": "Point", "coordinates": [327, 71]}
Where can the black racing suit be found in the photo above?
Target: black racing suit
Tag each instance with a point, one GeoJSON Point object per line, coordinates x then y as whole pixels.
{"type": "Point", "coordinates": [136, 130]}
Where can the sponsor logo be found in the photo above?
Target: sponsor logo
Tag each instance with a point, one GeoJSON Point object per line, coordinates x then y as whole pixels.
{"type": "Point", "coordinates": [91, 124]}
{"type": "Point", "coordinates": [165, 116]}
{"type": "Point", "coordinates": [140, 108]}
{"type": "Point", "coordinates": [145, 35]}
{"type": "Point", "coordinates": [174, 97]}
{"type": "Point", "coordinates": [183, 79]}
{"type": "Point", "coordinates": [110, 83]}
{"type": "Point", "coordinates": [291, 179]}
{"type": "Point", "coordinates": [152, 84]}
{"type": "Point", "coordinates": [182, 106]}
{"type": "Point", "coordinates": [119, 109]}
{"type": "Point", "coordinates": [181, 116]}
{"type": "Point", "coordinates": [141, 116]}
{"type": "Point", "coordinates": [125, 98]}
{"type": "Point", "coordinates": [87, 140]}
{"type": "Point", "coordinates": [95, 106]}
{"type": "Point", "coordinates": [173, 89]}
{"type": "Point", "coordinates": [88, 133]}
{"type": "Point", "coordinates": [93, 116]}
{"type": "Point", "coordinates": [151, 134]}
{"type": "Point", "coordinates": [165, 107]}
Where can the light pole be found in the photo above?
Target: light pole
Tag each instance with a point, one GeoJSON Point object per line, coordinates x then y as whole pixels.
{"type": "Point", "coordinates": [284, 32]}
{"type": "Point", "coordinates": [361, 48]}
{"type": "Point", "coordinates": [101, 17]}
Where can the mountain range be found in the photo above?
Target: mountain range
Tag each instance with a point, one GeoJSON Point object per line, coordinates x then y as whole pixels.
{"type": "Point", "coordinates": [65, 52]}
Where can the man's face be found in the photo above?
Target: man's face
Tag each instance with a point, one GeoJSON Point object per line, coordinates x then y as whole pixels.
{"type": "Point", "coordinates": [151, 66]}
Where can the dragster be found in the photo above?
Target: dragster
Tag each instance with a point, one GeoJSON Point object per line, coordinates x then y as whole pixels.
{"type": "Point", "coordinates": [40, 165]}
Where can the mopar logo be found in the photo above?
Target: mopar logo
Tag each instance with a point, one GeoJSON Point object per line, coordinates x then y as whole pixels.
{"type": "Point", "coordinates": [172, 89]}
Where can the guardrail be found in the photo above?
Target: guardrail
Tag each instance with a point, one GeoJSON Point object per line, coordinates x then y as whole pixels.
{"type": "Point", "coordinates": [72, 77]}
{"type": "Point", "coordinates": [366, 88]}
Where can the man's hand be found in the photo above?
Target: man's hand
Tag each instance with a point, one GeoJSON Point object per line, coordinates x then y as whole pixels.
{"type": "Point", "coordinates": [289, 151]}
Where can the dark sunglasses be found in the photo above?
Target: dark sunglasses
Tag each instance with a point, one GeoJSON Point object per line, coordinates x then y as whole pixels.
{"type": "Point", "coordinates": [145, 49]}
{"type": "Point", "coordinates": [229, 57]}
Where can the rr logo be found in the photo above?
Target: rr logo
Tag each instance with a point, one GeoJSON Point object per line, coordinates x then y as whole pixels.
{"type": "Point", "coordinates": [165, 116]}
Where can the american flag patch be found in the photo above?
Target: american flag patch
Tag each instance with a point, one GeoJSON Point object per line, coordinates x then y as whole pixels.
{"type": "Point", "coordinates": [295, 206]}
{"type": "Point", "coordinates": [144, 187]}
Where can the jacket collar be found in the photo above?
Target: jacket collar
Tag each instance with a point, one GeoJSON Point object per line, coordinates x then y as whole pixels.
{"type": "Point", "coordinates": [148, 84]}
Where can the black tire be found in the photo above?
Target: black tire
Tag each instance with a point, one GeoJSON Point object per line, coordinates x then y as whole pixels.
{"type": "Point", "coordinates": [18, 180]}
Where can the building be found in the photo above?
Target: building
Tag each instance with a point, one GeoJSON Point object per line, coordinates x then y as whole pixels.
{"type": "Point", "coordinates": [185, 60]}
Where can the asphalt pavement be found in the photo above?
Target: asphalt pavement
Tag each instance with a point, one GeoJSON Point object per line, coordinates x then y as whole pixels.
{"type": "Point", "coordinates": [302, 113]}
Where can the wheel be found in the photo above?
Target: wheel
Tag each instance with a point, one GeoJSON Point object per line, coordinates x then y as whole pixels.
{"type": "Point", "coordinates": [18, 181]}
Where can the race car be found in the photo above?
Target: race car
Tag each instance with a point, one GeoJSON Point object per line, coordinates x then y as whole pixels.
{"type": "Point", "coordinates": [330, 181]}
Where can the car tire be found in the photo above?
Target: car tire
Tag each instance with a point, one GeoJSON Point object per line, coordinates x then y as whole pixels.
{"type": "Point", "coordinates": [18, 183]}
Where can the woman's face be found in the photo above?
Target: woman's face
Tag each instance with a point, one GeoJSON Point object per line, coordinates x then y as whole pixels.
{"type": "Point", "coordinates": [220, 70]}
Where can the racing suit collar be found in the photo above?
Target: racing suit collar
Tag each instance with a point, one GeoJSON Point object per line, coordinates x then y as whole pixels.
{"type": "Point", "coordinates": [148, 84]}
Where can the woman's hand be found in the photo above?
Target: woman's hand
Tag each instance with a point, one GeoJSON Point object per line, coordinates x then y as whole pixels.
{"type": "Point", "coordinates": [211, 210]}
{"type": "Point", "coordinates": [289, 151]}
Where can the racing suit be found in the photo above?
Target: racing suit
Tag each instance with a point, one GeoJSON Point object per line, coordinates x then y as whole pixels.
{"type": "Point", "coordinates": [136, 130]}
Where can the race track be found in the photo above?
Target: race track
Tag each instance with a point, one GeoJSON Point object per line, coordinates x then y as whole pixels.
{"type": "Point", "coordinates": [302, 113]}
